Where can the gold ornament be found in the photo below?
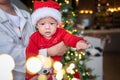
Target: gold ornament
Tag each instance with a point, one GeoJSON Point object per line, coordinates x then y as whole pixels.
{"type": "Point", "coordinates": [42, 77]}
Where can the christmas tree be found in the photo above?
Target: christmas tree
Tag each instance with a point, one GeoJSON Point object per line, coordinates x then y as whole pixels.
{"type": "Point", "coordinates": [73, 61]}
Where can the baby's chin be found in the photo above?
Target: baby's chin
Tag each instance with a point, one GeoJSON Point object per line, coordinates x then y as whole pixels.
{"type": "Point", "coordinates": [48, 37]}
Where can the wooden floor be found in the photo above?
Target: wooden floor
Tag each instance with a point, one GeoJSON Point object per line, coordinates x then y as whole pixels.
{"type": "Point", "coordinates": [111, 66]}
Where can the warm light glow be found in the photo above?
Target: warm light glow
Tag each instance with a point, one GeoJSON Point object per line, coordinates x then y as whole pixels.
{"type": "Point", "coordinates": [81, 11]}
{"type": "Point", "coordinates": [73, 13]}
{"type": "Point", "coordinates": [7, 65]}
{"type": "Point", "coordinates": [107, 4]}
{"type": "Point", "coordinates": [75, 30]}
{"type": "Point", "coordinates": [99, 5]}
{"type": "Point", "coordinates": [60, 4]}
{"type": "Point", "coordinates": [57, 65]}
{"type": "Point", "coordinates": [70, 68]}
{"type": "Point", "coordinates": [76, 70]}
{"type": "Point", "coordinates": [115, 9]}
{"type": "Point", "coordinates": [56, 0]}
{"type": "Point", "coordinates": [59, 74]}
{"type": "Point", "coordinates": [77, 2]}
{"type": "Point", "coordinates": [72, 54]}
{"type": "Point", "coordinates": [68, 52]}
{"type": "Point", "coordinates": [6, 75]}
{"type": "Point", "coordinates": [67, 1]}
{"type": "Point", "coordinates": [67, 22]}
{"type": "Point", "coordinates": [83, 53]}
{"type": "Point", "coordinates": [45, 60]}
{"type": "Point", "coordinates": [80, 56]}
{"type": "Point", "coordinates": [76, 54]}
{"type": "Point", "coordinates": [72, 65]}
{"type": "Point", "coordinates": [74, 79]}
{"type": "Point", "coordinates": [86, 12]}
{"type": "Point", "coordinates": [111, 9]}
{"type": "Point", "coordinates": [91, 12]}
{"type": "Point", "coordinates": [33, 65]}
{"type": "Point", "coordinates": [42, 77]}
{"type": "Point", "coordinates": [32, 1]}
{"type": "Point", "coordinates": [58, 70]}
{"type": "Point", "coordinates": [118, 8]}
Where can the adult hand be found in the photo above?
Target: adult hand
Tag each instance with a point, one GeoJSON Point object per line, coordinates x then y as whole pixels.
{"type": "Point", "coordinates": [58, 49]}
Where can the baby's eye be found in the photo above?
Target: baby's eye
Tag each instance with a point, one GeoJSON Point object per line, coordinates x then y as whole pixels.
{"type": "Point", "coordinates": [52, 23]}
{"type": "Point", "coordinates": [42, 24]}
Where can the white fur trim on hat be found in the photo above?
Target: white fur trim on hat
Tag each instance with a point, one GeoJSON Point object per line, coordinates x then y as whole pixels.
{"type": "Point", "coordinates": [45, 12]}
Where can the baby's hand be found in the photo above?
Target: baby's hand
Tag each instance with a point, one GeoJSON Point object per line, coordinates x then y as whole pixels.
{"type": "Point", "coordinates": [81, 45]}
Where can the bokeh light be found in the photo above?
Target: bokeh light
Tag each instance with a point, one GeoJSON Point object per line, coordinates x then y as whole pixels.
{"type": "Point", "coordinates": [33, 65]}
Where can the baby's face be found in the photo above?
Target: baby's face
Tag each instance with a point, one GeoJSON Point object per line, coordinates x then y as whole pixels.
{"type": "Point", "coordinates": [47, 26]}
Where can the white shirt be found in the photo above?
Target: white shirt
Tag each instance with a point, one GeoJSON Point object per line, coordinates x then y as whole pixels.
{"type": "Point", "coordinates": [16, 22]}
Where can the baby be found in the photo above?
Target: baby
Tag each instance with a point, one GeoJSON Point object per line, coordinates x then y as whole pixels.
{"type": "Point", "coordinates": [47, 18]}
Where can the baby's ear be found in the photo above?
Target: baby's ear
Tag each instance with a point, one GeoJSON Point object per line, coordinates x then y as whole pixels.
{"type": "Point", "coordinates": [36, 27]}
{"type": "Point", "coordinates": [58, 25]}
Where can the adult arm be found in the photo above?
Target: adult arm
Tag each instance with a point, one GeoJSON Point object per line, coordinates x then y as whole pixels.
{"type": "Point", "coordinates": [58, 49]}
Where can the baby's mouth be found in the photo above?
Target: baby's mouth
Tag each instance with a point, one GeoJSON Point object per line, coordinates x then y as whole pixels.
{"type": "Point", "coordinates": [47, 33]}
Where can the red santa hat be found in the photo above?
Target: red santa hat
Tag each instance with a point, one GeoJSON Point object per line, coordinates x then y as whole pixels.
{"type": "Point", "coordinates": [46, 9]}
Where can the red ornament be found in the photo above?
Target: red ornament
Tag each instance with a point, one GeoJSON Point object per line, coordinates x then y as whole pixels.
{"type": "Point", "coordinates": [77, 75]}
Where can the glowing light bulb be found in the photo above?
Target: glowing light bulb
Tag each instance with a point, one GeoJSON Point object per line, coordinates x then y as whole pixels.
{"type": "Point", "coordinates": [57, 65]}
{"type": "Point", "coordinates": [72, 65]}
